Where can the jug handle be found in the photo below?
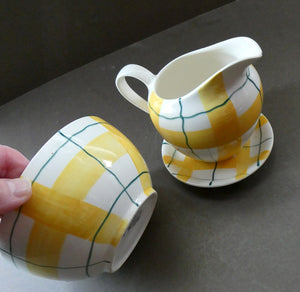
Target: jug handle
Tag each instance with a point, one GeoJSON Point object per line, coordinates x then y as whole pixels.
{"type": "Point", "coordinates": [140, 73]}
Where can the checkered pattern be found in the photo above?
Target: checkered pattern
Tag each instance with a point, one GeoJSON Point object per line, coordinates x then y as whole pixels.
{"type": "Point", "coordinates": [199, 173]}
{"type": "Point", "coordinates": [100, 180]}
{"type": "Point", "coordinates": [213, 122]}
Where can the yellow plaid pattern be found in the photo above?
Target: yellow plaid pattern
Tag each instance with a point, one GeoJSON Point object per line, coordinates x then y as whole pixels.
{"type": "Point", "coordinates": [236, 168]}
{"type": "Point", "coordinates": [62, 210]}
{"type": "Point", "coordinates": [226, 123]}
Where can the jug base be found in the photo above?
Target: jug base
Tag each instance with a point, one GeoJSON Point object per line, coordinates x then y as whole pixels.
{"type": "Point", "coordinates": [216, 174]}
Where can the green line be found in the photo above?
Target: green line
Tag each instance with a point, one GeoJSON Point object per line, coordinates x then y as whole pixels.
{"type": "Point", "coordinates": [54, 267]}
{"type": "Point", "coordinates": [105, 219]}
{"type": "Point", "coordinates": [58, 149]}
{"type": "Point", "coordinates": [115, 176]}
{"type": "Point", "coordinates": [222, 104]}
{"type": "Point", "coordinates": [183, 130]}
{"type": "Point", "coordinates": [256, 145]}
{"type": "Point", "coordinates": [255, 87]}
{"type": "Point", "coordinates": [11, 235]}
{"type": "Point", "coordinates": [213, 108]}
{"type": "Point", "coordinates": [172, 158]}
{"type": "Point", "coordinates": [213, 173]}
{"type": "Point", "coordinates": [162, 116]}
{"type": "Point", "coordinates": [100, 162]}
{"type": "Point", "coordinates": [35, 178]}
{"type": "Point", "coordinates": [75, 267]}
{"type": "Point", "coordinates": [187, 176]}
{"type": "Point", "coordinates": [182, 125]}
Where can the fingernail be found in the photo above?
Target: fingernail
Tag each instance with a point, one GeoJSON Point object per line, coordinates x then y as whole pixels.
{"type": "Point", "coordinates": [19, 187]}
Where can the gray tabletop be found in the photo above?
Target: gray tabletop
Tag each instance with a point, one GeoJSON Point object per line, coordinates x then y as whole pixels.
{"type": "Point", "coordinates": [243, 237]}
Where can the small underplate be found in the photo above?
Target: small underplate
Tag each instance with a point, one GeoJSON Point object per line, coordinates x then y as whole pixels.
{"type": "Point", "coordinates": [216, 174]}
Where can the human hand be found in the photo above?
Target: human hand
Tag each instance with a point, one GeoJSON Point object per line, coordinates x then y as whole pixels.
{"type": "Point", "coordinates": [14, 191]}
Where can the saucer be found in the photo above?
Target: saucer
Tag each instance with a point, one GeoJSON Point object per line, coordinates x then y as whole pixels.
{"type": "Point", "coordinates": [216, 174]}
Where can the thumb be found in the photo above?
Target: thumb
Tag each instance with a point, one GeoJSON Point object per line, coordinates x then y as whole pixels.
{"type": "Point", "coordinates": [13, 193]}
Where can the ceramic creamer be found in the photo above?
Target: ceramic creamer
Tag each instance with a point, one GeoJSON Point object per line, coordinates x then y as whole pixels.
{"type": "Point", "coordinates": [205, 103]}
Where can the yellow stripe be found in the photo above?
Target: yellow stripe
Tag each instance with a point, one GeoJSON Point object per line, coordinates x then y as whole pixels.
{"type": "Point", "coordinates": [247, 119]}
{"type": "Point", "coordinates": [155, 103]}
{"type": "Point", "coordinates": [197, 139]}
{"type": "Point", "coordinates": [223, 119]}
{"type": "Point", "coordinates": [83, 171]}
{"type": "Point", "coordinates": [243, 161]}
{"type": "Point", "coordinates": [261, 92]}
{"type": "Point", "coordinates": [57, 215]}
{"type": "Point", "coordinates": [263, 121]}
{"type": "Point", "coordinates": [187, 166]}
{"type": "Point", "coordinates": [174, 137]}
{"type": "Point", "coordinates": [45, 250]}
{"type": "Point", "coordinates": [226, 126]}
{"type": "Point", "coordinates": [69, 215]}
{"type": "Point", "coordinates": [136, 157]}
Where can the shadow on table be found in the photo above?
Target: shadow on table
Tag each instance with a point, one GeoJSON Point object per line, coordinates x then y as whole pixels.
{"type": "Point", "coordinates": [169, 254]}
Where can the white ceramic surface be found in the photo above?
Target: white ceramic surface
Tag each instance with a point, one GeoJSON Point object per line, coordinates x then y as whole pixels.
{"type": "Point", "coordinates": [92, 199]}
{"type": "Point", "coordinates": [217, 174]}
{"type": "Point", "coordinates": [205, 103]}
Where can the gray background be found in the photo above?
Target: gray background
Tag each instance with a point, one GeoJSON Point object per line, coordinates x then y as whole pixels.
{"type": "Point", "coordinates": [243, 237]}
{"type": "Point", "coordinates": [40, 40]}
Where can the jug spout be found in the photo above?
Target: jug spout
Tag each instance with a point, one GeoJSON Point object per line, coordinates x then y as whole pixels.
{"type": "Point", "coordinates": [237, 53]}
{"type": "Point", "coordinates": [193, 70]}
{"type": "Point", "coordinates": [231, 58]}
{"type": "Point", "coordinates": [241, 49]}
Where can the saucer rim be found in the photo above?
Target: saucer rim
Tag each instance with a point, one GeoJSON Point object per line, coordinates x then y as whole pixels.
{"type": "Point", "coordinates": [204, 183]}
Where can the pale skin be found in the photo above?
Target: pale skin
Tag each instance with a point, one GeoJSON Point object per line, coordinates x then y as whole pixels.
{"type": "Point", "coordinates": [14, 191]}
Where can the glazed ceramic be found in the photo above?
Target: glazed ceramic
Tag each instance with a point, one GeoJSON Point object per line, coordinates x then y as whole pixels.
{"type": "Point", "coordinates": [206, 103]}
{"type": "Point", "coordinates": [221, 173]}
{"type": "Point", "coordinates": [92, 199]}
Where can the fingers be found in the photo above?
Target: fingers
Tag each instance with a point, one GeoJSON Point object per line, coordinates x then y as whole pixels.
{"type": "Point", "coordinates": [13, 193]}
{"type": "Point", "coordinates": [12, 162]}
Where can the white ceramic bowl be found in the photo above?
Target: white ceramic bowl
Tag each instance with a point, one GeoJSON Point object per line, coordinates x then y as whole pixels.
{"type": "Point", "coordinates": [92, 199]}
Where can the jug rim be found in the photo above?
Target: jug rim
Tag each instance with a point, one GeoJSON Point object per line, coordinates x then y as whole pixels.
{"type": "Point", "coordinates": [256, 54]}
